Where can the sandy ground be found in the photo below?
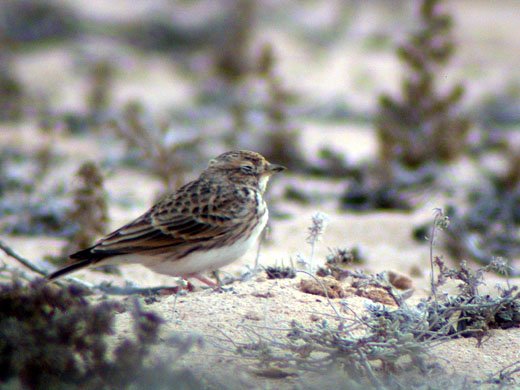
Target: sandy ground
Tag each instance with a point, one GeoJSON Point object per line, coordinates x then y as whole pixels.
{"type": "Point", "coordinates": [261, 304]}
{"type": "Point", "coordinates": [345, 70]}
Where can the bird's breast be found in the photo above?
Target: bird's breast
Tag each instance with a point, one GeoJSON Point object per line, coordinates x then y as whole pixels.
{"type": "Point", "coordinates": [211, 259]}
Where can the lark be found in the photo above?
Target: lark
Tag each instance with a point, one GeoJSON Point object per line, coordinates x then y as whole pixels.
{"type": "Point", "coordinates": [203, 226]}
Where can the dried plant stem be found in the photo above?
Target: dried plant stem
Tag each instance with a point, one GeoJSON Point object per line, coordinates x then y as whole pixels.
{"type": "Point", "coordinates": [504, 373]}
{"type": "Point", "coordinates": [437, 217]}
{"type": "Point", "coordinates": [315, 232]}
{"type": "Point", "coordinates": [34, 268]}
{"type": "Point", "coordinates": [368, 369]}
{"type": "Point", "coordinates": [432, 277]}
{"type": "Point", "coordinates": [130, 290]}
{"type": "Point", "coordinates": [313, 249]}
{"type": "Point", "coordinates": [103, 287]}
{"type": "Point", "coordinates": [25, 262]}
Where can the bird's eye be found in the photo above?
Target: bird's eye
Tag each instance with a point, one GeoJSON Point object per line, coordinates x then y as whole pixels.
{"type": "Point", "coordinates": [247, 169]}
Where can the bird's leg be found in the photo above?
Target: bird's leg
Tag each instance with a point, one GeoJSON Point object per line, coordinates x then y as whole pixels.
{"type": "Point", "coordinates": [216, 275]}
{"type": "Point", "coordinates": [217, 287]}
{"type": "Point", "coordinates": [204, 280]}
{"type": "Point", "coordinates": [184, 285]}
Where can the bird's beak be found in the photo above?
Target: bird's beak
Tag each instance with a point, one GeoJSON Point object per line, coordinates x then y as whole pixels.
{"type": "Point", "coordinates": [275, 168]}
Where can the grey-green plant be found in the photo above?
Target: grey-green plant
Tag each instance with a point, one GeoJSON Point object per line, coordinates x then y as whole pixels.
{"type": "Point", "coordinates": [55, 338]}
{"type": "Point", "coordinates": [89, 212]}
{"type": "Point", "coordinates": [425, 124]}
{"type": "Point", "coordinates": [99, 95]}
{"type": "Point", "coordinates": [390, 346]}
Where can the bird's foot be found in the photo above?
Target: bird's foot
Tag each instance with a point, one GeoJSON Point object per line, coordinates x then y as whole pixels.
{"type": "Point", "coordinates": [224, 289]}
{"type": "Point", "coordinates": [217, 287]}
{"type": "Point", "coordinates": [204, 280]}
{"type": "Point", "coordinates": [183, 287]}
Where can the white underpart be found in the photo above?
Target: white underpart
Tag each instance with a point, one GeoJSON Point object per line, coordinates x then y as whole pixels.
{"type": "Point", "coordinates": [198, 261]}
{"type": "Point", "coordinates": [262, 183]}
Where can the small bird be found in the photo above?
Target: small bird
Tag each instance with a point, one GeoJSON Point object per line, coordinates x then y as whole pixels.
{"type": "Point", "coordinates": [204, 225]}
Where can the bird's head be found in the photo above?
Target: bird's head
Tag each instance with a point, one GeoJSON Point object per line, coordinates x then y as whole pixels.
{"type": "Point", "coordinates": [244, 166]}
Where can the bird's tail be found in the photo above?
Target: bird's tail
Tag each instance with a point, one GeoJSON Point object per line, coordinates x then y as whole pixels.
{"type": "Point", "coordinates": [69, 268]}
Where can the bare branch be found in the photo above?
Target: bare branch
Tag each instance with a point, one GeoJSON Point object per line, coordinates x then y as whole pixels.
{"type": "Point", "coordinates": [25, 262]}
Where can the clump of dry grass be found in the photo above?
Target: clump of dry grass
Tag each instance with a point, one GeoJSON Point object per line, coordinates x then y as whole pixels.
{"type": "Point", "coordinates": [280, 272]}
{"type": "Point", "coordinates": [344, 256]}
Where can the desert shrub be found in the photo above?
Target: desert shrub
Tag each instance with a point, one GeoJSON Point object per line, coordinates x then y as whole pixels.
{"type": "Point", "coordinates": [486, 227]}
{"type": "Point", "coordinates": [27, 22]}
{"type": "Point", "coordinates": [88, 216]}
{"type": "Point", "coordinates": [99, 97]}
{"type": "Point", "coordinates": [170, 155]}
{"type": "Point", "coordinates": [260, 107]}
{"type": "Point", "coordinates": [389, 346]}
{"type": "Point", "coordinates": [282, 134]}
{"type": "Point", "coordinates": [29, 206]}
{"type": "Point", "coordinates": [89, 211]}
{"type": "Point", "coordinates": [425, 123]}
{"type": "Point", "coordinates": [11, 99]}
{"type": "Point", "coordinates": [54, 338]}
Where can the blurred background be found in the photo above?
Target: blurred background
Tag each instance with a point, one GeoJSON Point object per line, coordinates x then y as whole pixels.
{"type": "Point", "coordinates": [385, 112]}
{"type": "Point", "coordinates": [373, 105]}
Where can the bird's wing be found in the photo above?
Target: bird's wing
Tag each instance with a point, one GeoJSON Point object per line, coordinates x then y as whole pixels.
{"type": "Point", "coordinates": [183, 218]}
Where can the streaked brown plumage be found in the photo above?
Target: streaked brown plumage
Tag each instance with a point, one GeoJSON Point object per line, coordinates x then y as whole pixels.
{"type": "Point", "coordinates": [207, 223]}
